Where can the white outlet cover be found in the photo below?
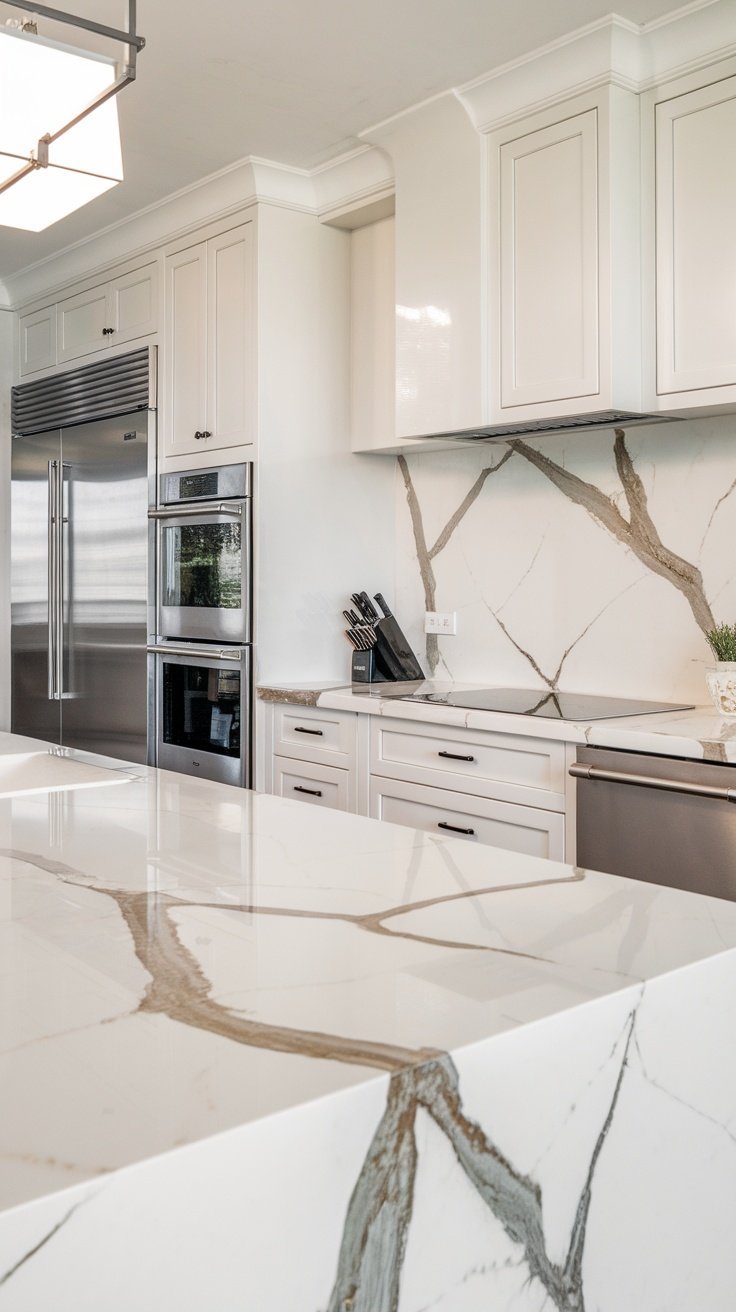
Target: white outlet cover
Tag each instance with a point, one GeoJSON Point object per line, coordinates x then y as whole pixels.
{"type": "Point", "coordinates": [443, 623]}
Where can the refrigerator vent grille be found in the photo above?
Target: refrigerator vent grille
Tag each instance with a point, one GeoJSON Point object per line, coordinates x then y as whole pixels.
{"type": "Point", "coordinates": [108, 387]}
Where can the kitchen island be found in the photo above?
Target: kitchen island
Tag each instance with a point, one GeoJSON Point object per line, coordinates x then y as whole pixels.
{"type": "Point", "coordinates": [255, 1055]}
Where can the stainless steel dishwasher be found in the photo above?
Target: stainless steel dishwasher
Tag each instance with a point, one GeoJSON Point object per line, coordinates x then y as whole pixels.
{"type": "Point", "coordinates": [666, 821]}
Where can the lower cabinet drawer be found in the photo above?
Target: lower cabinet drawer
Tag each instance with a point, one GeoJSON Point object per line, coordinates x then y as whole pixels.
{"type": "Point", "coordinates": [475, 819]}
{"type": "Point", "coordinates": [322, 785]}
{"type": "Point", "coordinates": [312, 734]}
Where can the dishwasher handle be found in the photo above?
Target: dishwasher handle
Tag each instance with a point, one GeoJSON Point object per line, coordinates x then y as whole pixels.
{"type": "Point", "coordinates": [594, 772]}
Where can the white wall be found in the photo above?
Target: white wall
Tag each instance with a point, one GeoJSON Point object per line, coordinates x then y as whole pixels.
{"type": "Point", "coordinates": [534, 573]}
{"type": "Point", "coordinates": [6, 374]}
{"type": "Point", "coordinates": [325, 517]}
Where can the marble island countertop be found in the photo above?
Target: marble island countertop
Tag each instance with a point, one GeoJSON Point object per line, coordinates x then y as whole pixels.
{"type": "Point", "coordinates": [225, 1016]}
{"type": "Point", "coordinates": [698, 734]}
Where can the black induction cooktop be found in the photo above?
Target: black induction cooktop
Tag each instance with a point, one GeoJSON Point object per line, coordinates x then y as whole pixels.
{"type": "Point", "coordinates": [546, 705]}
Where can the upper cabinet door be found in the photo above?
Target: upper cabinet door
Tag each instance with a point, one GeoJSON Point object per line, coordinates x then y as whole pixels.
{"type": "Point", "coordinates": [549, 263]}
{"type": "Point", "coordinates": [82, 323]}
{"type": "Point", "coordinates": [37, 340]}
{"type": "Point", "coordinates": [185, 351]}
{"type": "Point", "coordinates": [229, 334]}
{"type": "Point", "coordinates": [696, 240]}
{"type": "Point", "coordinates": [134, 305]}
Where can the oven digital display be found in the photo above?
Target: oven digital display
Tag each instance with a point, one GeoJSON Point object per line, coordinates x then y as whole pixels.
{"type": "Point", "coordinates": [198, 485]}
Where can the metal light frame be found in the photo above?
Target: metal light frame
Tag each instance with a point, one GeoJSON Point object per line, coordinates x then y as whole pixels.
{"type": "Point", "coordinates": [126, 71]}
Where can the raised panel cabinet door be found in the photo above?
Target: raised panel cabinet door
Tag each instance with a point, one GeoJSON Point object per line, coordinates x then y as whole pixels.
{"type": "Point", "coordinates": [549, 327]}
{"type": "Point", "coordinates": [83, 322]}
{"type": "Point", "coordinates": [229, 338]}
{"type": "Point", "coordinates": [37, 340]}
{"type": "Point", "coordinates": [696, 239]}
{"type": "Point", "coordinates": [134, 303]}
{"type": "Point", "coordinates": [185, 351]}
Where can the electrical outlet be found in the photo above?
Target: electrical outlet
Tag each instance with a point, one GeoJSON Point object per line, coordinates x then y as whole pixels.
{"type": "Point", "coordinates": [436, 621]}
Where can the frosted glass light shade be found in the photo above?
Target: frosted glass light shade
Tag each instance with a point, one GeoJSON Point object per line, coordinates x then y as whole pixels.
{"type": "Point", "coordinates": [43, 85]}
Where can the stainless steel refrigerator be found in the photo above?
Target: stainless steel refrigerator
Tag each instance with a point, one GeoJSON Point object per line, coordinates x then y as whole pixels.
{"type": "Point", "coordinates": [83, 478]}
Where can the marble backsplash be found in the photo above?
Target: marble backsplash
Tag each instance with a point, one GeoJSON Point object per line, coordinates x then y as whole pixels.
{"type": "Point", "coordinates": [592, 562]}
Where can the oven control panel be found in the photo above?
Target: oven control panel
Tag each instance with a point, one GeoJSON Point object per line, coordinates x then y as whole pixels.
{"type": "Point", "coordinates": [220, 483]}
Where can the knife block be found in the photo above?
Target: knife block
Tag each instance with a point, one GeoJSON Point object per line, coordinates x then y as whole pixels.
{"type": "Point", "coordinates": [387, 662]}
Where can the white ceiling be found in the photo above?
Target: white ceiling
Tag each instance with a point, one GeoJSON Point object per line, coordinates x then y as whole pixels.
{"type": "Point", "coordinates": [289, 80]}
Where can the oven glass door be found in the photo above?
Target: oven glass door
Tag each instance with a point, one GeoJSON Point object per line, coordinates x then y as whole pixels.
{"type": "Point", "coordinates": [204, 582]}
{"type": "Point", "coordinates": [204, 716]}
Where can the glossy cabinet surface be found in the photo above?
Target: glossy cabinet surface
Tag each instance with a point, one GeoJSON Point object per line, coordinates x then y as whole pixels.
{"type": "Point", "coordinates": [209, 346]}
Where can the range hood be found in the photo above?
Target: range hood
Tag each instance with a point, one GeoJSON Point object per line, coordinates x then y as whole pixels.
{"type": "Point", "coordinates": [582, 423]}
{"type": "Point", "coordinates": [477, 357]}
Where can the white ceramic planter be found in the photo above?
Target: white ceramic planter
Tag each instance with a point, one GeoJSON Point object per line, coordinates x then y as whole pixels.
{"type": "Point", "coordinates": [721, 682]}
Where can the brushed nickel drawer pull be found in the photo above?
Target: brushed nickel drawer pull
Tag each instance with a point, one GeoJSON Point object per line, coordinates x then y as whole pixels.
{"type": "Point", "coordinates": [455, 756]}
{"type": "Point", "coordinates": [313, 792]}
{"type": "Point", "coordinates": [455, 829]}
{"type": "Point", "coordinates": [318, 733]}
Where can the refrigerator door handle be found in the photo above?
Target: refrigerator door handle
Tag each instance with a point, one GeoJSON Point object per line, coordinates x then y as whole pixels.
{"type": "Point", "coordinates": [60, 521]}
{"type": "Point", "coordinates": [53, 578]}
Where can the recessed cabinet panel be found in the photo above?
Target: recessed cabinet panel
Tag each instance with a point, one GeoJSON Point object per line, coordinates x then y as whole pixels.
{"type": "Point", "coordinates": [472, 819]}
{"type": "Point", "coordinates": [186, 349]}
{"type": "Point", "coordinates": [696, 246]}
{"type": "Point", "coordinates": [38, 340]}
{"type": "Point", "coordinates": [133, 304]}
{"type": "Point", "coordinates": [209, 360]}
{"type": "Point", "coordinates": [549, 263]}
{"type": "Point", "coordinates": [229, 353]}
{"type": "Point", "coordinates": [82, 321]}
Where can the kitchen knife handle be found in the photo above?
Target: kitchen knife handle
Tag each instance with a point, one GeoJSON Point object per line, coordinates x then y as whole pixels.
{"type": "Point", "coordinates": [455, 829]}
{"type": "Point", "coordinates": [383, 604]}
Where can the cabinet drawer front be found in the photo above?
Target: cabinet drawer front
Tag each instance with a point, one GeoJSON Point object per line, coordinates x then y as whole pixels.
{"type": "Point", "coordinates": [505, 766]}
{"type": "Point", "coordinates": [311, 734]}
{"type": "Point", "coordinates": [320, 785]}
{"type": "Point", "coordinates": [476, 820]}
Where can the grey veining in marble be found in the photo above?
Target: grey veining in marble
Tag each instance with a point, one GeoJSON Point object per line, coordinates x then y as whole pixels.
{"type": "Point", "coordinates": [591, 562]}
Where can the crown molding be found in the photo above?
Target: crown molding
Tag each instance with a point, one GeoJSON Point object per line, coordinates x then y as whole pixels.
{"type": "Point", "coordinates": [611, 51]}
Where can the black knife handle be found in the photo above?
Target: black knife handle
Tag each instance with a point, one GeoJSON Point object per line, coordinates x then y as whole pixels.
{"type": "Point", "coordinates": [455, 756]}
{"type": "Point", "coordinates": [379, 597]}
{"type": "Point", "coordinates": [456, 829]}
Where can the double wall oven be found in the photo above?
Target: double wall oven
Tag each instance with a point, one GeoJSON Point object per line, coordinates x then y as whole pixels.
{"type": "Point", "coordinates": [200, 665]}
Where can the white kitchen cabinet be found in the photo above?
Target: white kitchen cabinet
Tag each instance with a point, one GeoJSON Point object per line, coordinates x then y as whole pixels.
{"type": "Point", "coordinates": [310, 733]}
{"type": "Point", "coordinates": [209, 346]}
{"type": "Point", "coordinates": [508, 767]}
{"type": "Point", "coordinates": [549, 263]}
{"type": "Point", "coordinates": [37, 340]}
{"type": "Point", "coordinates": [565, 282]}
{"type": "Point", "coordinates": [118, 311]}
{"type": "Point", "coordinates": [695, 219]}
{"type": "Point", "coordinates": [474, 819]}
{"type": "Point", "coordinates": [319, 785]}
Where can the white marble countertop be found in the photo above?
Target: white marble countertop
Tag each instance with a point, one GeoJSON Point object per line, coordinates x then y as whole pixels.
{"type": "Point", "coordinates": [179, 958]}
{"type": "Point", "coordinates": [699, 734]}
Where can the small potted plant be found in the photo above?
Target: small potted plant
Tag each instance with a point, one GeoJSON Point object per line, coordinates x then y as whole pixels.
{"type": "Point", "coordinates": [722, 678]}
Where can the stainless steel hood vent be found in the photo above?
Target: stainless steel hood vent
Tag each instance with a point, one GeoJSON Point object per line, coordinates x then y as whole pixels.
{"type": "Point", "coordinates": [560, 424]}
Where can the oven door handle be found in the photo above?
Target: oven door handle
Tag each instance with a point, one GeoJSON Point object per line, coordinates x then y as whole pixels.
{"type": "Point", "coordinates": [195, 512]}
{"type": "Point", "coordinates": [594, 772]}
{"type": "Point", "coordinates": [210, 653]}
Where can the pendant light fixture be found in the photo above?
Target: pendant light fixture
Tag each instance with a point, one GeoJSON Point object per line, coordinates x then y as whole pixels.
{"type": "Point", "coordinates": [59, 133]}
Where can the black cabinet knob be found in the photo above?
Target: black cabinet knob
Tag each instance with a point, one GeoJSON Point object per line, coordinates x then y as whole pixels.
{"type": "Point", "coordinates": [106, 332]}
{"type": "Point", "coordinates": [199, 435]}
